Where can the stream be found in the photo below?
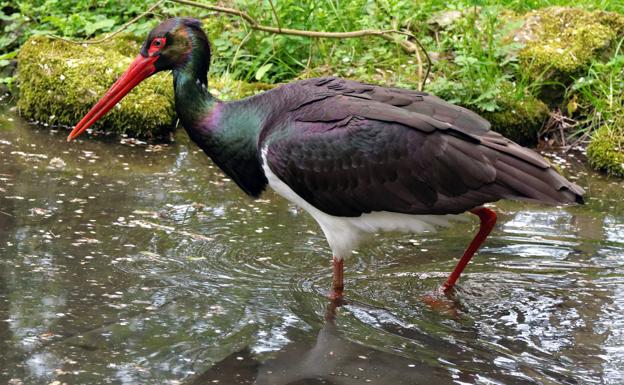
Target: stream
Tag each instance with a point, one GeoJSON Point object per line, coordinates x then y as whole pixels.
{"type": "Point", "coordinates": [142, 263]}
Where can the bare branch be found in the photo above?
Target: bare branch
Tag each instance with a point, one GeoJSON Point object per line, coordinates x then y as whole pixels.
{"type": "Point", "coordinates": [410, 47]}
{"type": "Point", "coordinates": [387, 34]}
{"type": "Point", "coordinates": [277, 20]}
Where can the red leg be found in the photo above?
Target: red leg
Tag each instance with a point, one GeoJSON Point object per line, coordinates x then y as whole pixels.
{"type": "Point", "coordinates": [488, 219]}
{"type": "Point", "coordinates": [338, 283]}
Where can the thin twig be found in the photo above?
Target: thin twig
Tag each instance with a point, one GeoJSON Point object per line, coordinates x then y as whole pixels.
{"type": "Point", "coordinates": [407, 46]}
{"type": "Point", "coordinates": [308, 64]}
{"type": "Point", "coordinates": [558, 123]}
{"type": "Point", "coordinates": [5, 213]}
{"type": "Point", "coordinates": [242, 43]}
{"type": "Point", "coordinates": [277, 19]}
{"type": "Point", "coordinates": [116, 32]}
{"type": "Point", "coordinates": [410, 47]}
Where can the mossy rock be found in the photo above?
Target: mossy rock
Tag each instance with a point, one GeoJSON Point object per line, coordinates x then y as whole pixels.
{"type": "Point", "coordinates": [519, 120]}
{"type": "Point", "coordinates": [564, 40]}
{"type": "Point", "coordinates": [606, 149]}
{"type": "Point", "coordinates": [60, 81]}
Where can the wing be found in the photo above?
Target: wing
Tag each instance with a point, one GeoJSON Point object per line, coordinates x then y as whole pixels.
{"type": "Point", "coordinates": [350, 148]}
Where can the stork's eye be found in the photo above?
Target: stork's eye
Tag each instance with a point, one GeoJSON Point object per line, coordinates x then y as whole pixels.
{"type": "Point", "coordinates": [157, 44]}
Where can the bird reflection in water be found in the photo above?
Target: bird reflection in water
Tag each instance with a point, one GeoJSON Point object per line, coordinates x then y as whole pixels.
{"type": "Point", "coordinates": [332, 359]}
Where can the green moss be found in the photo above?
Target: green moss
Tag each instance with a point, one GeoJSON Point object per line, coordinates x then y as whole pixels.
{"type": "Point", "coordinates": [519, 120]}
{"type": "Point", "coordinates": [60, 81]}
{"type": "Point", "coordinates": [565, 40]}
{"type": "Point", "coordinates": [606, 148]}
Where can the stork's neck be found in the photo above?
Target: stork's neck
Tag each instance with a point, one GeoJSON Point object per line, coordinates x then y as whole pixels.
{"type": "Point", "coordinates": [190, 83]}
{"type": "Point", "coordinates": [227, 132]}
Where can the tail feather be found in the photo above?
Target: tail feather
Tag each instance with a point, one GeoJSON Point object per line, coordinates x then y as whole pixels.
{"type": "Point", "coordinates": [526, 181]}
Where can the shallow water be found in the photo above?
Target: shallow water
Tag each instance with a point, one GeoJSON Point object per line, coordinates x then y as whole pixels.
{"type": "Point", "coordinates": [144, 264]}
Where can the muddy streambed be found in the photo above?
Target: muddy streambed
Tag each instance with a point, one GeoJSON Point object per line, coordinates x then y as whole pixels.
{"type": "Point", "coordinates": [133, 264]}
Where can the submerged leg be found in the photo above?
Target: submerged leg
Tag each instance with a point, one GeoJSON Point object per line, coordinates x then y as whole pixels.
{"type": "Point", "coordinates": [338, 284]}
{"type": "Point", "coordinates": [488, 219]}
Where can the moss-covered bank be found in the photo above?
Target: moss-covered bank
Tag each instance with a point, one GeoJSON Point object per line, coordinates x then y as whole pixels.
{"type": "Point", "coordinates": [519, 120]}
{"type": "Point", "coordinates": [606, 149]}
{"type": "Point", "coordinates": [60, 81]}
{"type": "Point", "coordinates": [563, 40]}
{"type": "Point", "coordinates": [578, 53]}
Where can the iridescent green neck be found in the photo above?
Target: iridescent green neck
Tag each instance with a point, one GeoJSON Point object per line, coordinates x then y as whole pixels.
{"type": "Point", "coordinates": [227, 132]}
{"type": "Point", "coordinates": [190, 83]}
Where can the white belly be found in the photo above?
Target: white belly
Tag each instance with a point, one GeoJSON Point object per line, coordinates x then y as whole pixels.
{"type": "Point", "coordinates": [344, 233]}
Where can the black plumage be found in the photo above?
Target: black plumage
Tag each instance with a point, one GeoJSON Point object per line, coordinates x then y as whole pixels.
{"type": "Point", "coordinates": [350, 148]}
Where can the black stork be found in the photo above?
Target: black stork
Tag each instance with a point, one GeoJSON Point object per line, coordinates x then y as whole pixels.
{"type": "Point", "coordinates": [359, 158]}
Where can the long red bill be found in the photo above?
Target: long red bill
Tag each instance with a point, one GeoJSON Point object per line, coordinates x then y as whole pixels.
{"type": "Point", "coordinates": [141, 68]}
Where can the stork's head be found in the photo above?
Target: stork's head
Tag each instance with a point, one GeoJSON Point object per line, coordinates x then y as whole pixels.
{"type": "Point", "coordinates": [170, 46]}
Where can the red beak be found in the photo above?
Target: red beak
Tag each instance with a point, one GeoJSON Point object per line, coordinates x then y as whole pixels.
{"type": "Point", "coordinates": [141, 68]}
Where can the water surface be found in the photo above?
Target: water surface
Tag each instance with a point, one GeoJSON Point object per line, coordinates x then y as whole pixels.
{"type": "Point", "coordinates": [132, 263]}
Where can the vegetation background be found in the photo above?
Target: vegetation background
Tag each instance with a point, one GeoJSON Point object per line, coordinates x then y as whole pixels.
{"type": "Point", "coordinates": [482, 57]}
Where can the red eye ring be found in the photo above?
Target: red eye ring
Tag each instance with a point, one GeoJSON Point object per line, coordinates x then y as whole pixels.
{"type": "Point", "coordinates": [157, 44]}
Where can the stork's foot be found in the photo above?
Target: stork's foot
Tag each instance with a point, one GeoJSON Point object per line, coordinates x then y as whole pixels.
{"type": "Point", "coordinates": [488, 220]}
{"type": "Point", "coordinates": [332, 307]}
{"type": "Point", "coordinates": [441, 302]}
{"type": "Point", "coordinates": [336, 293]}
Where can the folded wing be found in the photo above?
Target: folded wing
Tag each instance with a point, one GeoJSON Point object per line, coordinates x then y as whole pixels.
{"type": "Point", "coordinates": [350, 148]}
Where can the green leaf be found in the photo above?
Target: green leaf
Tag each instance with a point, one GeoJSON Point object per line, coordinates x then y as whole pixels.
{"type": "Point", "coordinates": [8, 80]}
{"type": "Point", "coordinates": [9, 55]}
{"type": "Point", "coordinates": [100, 25]}
{"type": "Point", "coordinates": [263, 70]}
{"type": "Point", "coordinates": [490, 106]}
{"type": "Point", "coordinates": [572, 106]}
